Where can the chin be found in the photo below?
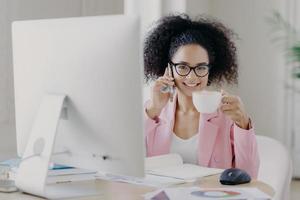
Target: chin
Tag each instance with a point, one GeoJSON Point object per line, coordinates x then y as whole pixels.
{"type": "Point", "coordinates": [189, 92]}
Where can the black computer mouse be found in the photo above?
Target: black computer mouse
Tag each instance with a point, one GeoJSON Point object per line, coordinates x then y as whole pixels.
{"type": "Point", "coordinates": [234, 176]}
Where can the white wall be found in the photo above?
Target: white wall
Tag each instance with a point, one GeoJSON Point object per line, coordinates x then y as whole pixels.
{"type": "Point", "coordinates": [261, 62]}
{"type": "Point", "coordinates": [11, 10]}
{"type": "Point", "coordinates": [196, 7]}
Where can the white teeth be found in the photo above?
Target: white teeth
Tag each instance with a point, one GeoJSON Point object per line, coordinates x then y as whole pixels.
{"type": "Point", "coordinates": [191, 85]}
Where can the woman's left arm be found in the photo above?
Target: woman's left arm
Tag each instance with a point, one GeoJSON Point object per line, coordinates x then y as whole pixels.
{"type": "Point", "coordinates": [242, 134]}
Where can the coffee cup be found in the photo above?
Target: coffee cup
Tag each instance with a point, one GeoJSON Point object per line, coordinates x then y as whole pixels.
{"type": "Point", "coordinates": [207, 101]}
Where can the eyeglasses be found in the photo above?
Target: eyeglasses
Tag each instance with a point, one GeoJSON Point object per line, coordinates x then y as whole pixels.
{"type": "Point", "coordinates": [183, 69]}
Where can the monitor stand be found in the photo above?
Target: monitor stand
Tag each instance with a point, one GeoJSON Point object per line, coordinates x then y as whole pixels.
{"type": "Point", "coordinates": [33, 170]}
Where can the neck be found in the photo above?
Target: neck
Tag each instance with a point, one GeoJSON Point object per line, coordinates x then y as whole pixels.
{"type": "Point", "coordinates": [185, 104]}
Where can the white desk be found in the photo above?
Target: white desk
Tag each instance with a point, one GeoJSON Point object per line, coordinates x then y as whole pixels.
{"type": "Point", "coordinates": [125, 191]}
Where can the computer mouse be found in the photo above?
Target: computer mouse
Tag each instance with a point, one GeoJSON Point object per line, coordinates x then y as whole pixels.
{"type": "Point", "coordinates": [234, 176]}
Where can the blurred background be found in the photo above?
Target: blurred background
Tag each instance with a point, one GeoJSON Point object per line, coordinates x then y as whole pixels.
{"type": "Point", "coordinates": [267, 87]}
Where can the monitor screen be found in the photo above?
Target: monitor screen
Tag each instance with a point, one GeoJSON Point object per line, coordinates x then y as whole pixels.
{"type": "Point", "coordinates": [95, 62]}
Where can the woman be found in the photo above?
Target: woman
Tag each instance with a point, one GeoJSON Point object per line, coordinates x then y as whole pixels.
{"type": "Point", "coordinates": [190, 55]}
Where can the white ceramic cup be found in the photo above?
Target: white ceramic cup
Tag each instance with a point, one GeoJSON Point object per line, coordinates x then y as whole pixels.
{"type": "Point", "coordinates": [207, 101]}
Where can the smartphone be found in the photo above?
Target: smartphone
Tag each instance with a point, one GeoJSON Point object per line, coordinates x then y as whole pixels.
{"type": "Point", "coordinates": [169, 89]}
{"type": "Point", "coordinates": [8, 186]}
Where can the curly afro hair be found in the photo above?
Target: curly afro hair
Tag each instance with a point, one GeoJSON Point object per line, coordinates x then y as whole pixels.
{"type": "Point", "coordinates": [174, 31]}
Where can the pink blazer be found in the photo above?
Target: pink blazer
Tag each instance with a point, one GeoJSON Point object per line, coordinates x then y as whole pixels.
{"type": "Point", "coordinates": [222, 143]}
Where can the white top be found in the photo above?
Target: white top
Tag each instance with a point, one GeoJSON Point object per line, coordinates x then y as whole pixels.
{"type": "Point", "coordinates": [187, 149]}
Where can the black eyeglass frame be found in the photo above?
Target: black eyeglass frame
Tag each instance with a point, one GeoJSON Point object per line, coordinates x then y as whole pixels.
{"type": "Point", "coordinates": [191, 68]}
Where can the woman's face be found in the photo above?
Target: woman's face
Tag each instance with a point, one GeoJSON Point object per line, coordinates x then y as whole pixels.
{"type": "Point", "coordinates": [192, 55]}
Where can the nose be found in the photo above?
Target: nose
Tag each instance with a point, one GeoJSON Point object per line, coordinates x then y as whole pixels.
{"type": "Point", "coordinates": [191, 75]}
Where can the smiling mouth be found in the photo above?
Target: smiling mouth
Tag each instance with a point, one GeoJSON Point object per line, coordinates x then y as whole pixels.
{"type": "Point", "coordinates": [191, 85]}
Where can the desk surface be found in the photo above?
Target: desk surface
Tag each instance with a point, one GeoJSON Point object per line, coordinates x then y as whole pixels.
{"type": "Point", "coordinates": [125, 191]}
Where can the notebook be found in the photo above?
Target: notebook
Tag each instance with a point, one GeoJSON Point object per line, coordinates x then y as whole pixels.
{"type": "Point", "coordinates": [171, 165]}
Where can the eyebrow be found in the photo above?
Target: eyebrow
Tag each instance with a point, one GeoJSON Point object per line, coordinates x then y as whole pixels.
{"type": "Point", "coordinates": [186, 63]}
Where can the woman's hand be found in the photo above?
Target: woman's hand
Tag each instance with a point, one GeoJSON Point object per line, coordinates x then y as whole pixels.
{"type": "Point", "coordinates": [159, 98]}
{"type": "Point", "coordinates": [233, 107]}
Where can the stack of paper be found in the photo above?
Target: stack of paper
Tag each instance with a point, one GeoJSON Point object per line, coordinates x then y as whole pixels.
{"type": "Point", "coordinates": [148, 180]}
{"type": "Point", "coordinates": [56, 173]}
{"type": "Point", "coordinates": [64, 175]}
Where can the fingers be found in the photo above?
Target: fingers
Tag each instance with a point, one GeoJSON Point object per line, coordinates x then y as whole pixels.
{"type": "Point", "coordinates": [229, 99]}
{"type": "Point", "coordinates": [166, 81]}
{"type": "Point", "coordinates": [228, 102]}
{"type": "Point", "coordinates": [232, 106]}
{"type": "Point", "coordinates": [163, 85]}
{"type": "Point", "coordinates": [168, 73]}
{"type": "Point", "coordinates": [227, 107]}
{"type": "Point", "coordinates": [225, 97]}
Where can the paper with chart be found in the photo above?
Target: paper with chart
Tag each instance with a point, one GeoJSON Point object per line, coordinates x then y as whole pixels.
{"type": "Point", "coordinates": [197, 193]}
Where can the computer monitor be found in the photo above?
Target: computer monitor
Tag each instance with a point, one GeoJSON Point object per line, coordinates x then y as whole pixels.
{"type": "Point", "coordinates": [95, 62]}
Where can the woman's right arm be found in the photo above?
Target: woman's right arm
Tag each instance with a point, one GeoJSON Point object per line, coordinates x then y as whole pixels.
{"type": "Point", "coordinates": [154, 107]}
{"type": "Point", "coordinates": [159, 99]}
